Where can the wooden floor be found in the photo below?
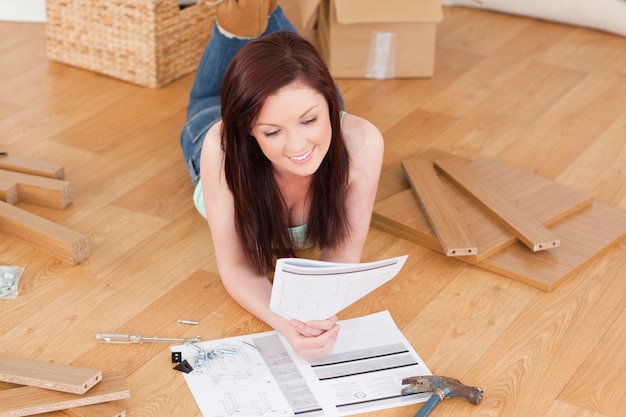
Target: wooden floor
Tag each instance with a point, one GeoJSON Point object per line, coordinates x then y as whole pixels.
{"type": "Point", "coordinates": [541, 96]}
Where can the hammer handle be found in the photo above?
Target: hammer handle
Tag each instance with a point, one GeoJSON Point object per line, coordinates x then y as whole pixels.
{"type": "Point", "coordinates": [428, 406]}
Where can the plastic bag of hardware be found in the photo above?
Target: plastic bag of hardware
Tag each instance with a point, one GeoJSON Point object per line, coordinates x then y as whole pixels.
{"type": "Point", "coordinates": [9, 278]}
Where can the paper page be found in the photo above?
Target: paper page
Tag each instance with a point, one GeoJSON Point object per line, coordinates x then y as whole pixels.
{"type": "Point", "coordinates": [364, 373]}
{"type": "Point", "coordinates": [316, 290]}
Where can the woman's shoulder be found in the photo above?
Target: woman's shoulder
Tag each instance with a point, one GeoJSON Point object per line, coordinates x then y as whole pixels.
{"type": "Point", "coordinates": [213, 135]}
{"type": "Point", "coordinates": [212, 156]}
{"type": "Point", "coordinates": [362, 137]}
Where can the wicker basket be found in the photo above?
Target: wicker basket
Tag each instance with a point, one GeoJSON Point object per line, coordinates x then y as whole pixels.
{"type": "Point", "coordinates": [146, 42]}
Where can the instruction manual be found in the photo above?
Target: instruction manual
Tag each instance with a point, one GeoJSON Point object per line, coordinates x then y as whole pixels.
{"type": "Point", "coordinates": [260, 375]}
{"type": "Point", "coordinates": [305, 289]}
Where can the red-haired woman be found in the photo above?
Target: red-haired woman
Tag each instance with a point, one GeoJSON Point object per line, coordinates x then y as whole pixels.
{"type": "Point", "coordinates": [277, 165]}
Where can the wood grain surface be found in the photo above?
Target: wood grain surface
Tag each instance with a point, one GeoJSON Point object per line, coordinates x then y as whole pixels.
{"type": "Point", "coordinates": [43, 191]}
{"type": "Point", "coordinates": [545, 98]}
{"type": "Point", "coordinates": [26, 401]}
{"type": "Point", "coordinates": [539, 197]}
{"type": "Point", "coordinates": [46, 375]}
{"type": "Point", "coordinates": [30, 166]}
{"type": "Point", "coordinates": [453, 236]}
{"type": "Point", "coordinates": [108, 409]}
{"type": "Point", "coordinates": [56, 239]}
{"type": "Point", "coordinates": [527, 229]}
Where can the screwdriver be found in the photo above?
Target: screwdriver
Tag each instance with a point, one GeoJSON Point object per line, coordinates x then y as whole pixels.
{"type": "Point", "coordinates": [125, 338]}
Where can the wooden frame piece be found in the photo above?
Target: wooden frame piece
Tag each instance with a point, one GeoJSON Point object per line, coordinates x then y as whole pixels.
{"type": "Point", "coordinates": [109, 409]}
{"type": "Point", "coordinates": [586, 228]}
{"type": "Point", "coordinates": [30, 166]}
{"type": "Point", "coordinates": [47, 192]}
{"type": "Point", "coordinates": [585, 235]}
{"type": "Point", "coordinates": [453, 236]}
{"type": "Point", "coordinates": [26, 401]}
{"type": "Point", "coordinates": [528, 230]}
{"type": "Point", "coordinates": [47, 375]}
{"type": "Point", "coordinates": [53, 238]}
{"type": "Point", "coordinates": [547, 201]}
{"type": "Point", "coordinates": [8, 191]}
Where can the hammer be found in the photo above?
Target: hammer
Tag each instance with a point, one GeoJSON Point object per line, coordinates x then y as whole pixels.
{"type": "Point", "coordinates": [441, 387]}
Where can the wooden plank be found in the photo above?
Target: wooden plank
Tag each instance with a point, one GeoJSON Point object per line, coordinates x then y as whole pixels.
{"type": "Point", "coordinates": [26, 401]}
{"type": "Point", "coordinates": [453, 236]}
{"type": "Point", "coordinates": [584, 235]}
{"type": "Point", "coordinates": [47, 375]}
{"type": "Point", "coordinates": [546, 200]}
{"type": "Point", "coordinates": [43, 191]}
{"type": "Point", "coordinates": [31, 166]}
{"type": "Point", "coordinates": [529, 230]}
{"type": "Point", "coordinates": [110, 409]}
{"type": "Point", "coordinates": [8, 191]}
{"type": "Point", "coordinates": [57, 240]}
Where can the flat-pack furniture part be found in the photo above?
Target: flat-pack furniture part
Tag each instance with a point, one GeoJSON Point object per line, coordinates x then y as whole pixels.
{"type": "Point", "coordinates": [30, 181]}
{"type": "Point", "coordinates": [524, 226]}
{"type": "Point", "coordinates": [445, 220]}
{"type": "Point", "coordinates": [541, 198]}
{"type": "Point", "coordinates": [48, 375]}
{"type": "Point", "coordinates": [8, 191]}
{"type": "Point", "coordinates": [27, 400]}
{"type": "Point", "coordinates": [31, 166]}
{"type": "Point", "coordinates": [59, 241]}
{"type": "Point", "coordinates": [108, 409]}
{"type": "Point", "coordinates": [43, 191]}
{"type": "Point", "coordinates": [584, 227]}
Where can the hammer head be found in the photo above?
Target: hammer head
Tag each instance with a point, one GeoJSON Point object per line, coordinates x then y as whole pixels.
{"type": "Point", "coordinates": [449, 386]}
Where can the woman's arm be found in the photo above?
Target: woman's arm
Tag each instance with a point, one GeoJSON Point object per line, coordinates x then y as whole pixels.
{"type": "Point", "coordinates": [366, 147]}
{"type": "Point", "coordinates": [248, 288]}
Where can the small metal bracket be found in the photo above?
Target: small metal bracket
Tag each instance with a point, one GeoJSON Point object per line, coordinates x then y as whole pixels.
{"type": "Point", "coordinates": [184, 367]}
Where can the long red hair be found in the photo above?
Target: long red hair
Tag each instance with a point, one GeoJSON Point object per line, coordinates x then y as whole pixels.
{"type": "Point", "coordinates": [259, 69]}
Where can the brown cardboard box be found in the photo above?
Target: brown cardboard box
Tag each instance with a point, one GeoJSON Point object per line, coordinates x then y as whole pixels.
{"type": "Point", "coordinates": [308, 11]}
{"type": "Point", "coordinates": [379, 39]}
{"type": "Point", "coordinates": [303, 16]}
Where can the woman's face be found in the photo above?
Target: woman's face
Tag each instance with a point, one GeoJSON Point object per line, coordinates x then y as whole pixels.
{"type": "Point", "coordinates": [293, 129]}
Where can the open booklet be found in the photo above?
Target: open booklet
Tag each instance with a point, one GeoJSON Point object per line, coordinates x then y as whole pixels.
{"type": "Point", "coordinates": [260, 374]}
{"type": "Point", "coordinates": [316, 290]}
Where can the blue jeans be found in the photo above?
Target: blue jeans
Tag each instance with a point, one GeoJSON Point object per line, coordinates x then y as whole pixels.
{"type": "Point", "coordinates": [204, 108]}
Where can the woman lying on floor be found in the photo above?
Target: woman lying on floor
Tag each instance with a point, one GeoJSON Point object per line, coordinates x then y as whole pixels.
{"type": "Point", "coordinates": [276, 163]}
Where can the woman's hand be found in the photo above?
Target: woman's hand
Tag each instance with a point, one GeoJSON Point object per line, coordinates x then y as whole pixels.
{"type": "Point", "coordinates": [313, 339]}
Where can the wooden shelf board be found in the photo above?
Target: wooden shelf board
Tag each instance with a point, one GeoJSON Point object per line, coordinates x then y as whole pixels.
{"type": "Point", "coordinates": [514, 217]}
{"type": "Point", "coordinates": [545, 200]}
{"type": "Point", "coordinates": [26, 401]}
{"type": "Point", "coordinates": [443, 217]}
{"type": "Point", "coordinates": [47, 375]}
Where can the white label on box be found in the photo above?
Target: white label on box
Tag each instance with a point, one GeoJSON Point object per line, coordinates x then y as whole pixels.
{"type": "Point", "coordinates": [382, 57]}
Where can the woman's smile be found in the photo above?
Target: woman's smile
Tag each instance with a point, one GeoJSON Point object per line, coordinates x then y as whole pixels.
{"type": "Point", "coordinates": [302, 158]}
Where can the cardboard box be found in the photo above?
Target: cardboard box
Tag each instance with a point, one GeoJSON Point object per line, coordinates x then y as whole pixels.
{"type": "Point", "coordinates": [308, 13]}
{"type": "Point", "coordinates": [303, 16]}
{"type": "Point", "coordinates": [379, 39]}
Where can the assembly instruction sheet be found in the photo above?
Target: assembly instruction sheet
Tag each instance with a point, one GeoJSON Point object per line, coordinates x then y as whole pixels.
{"type": "Point", "coordinates": [260, 375]}
{"type": "Point", "coordinates": [306, 289]}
